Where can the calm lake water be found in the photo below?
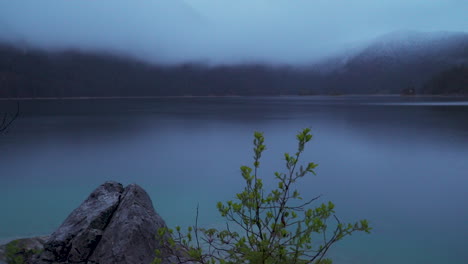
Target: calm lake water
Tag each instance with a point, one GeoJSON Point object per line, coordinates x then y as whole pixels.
{"type": "Point", "coordinates": [402, 163]}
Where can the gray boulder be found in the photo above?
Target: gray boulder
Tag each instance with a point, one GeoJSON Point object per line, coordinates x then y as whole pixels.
{"type": "Point", "coordinates": [75, 240]}
{"type": "Point", "coordinates": [112, 226]}
{"type": "Point", "coordinates": [130, 236]}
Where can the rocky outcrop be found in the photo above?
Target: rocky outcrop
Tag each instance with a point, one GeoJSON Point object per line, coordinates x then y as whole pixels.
{"type": "Point", "coordinates": [113, 225]}
{"type": "Point", "coordinates": [75, 240]}
{"type": "Point", "coordinates": [130, 236]}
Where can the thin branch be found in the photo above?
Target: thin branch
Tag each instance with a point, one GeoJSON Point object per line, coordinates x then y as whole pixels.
{"type": "Point", "coordinates": [298, 207]}
{"type": "Point", "coordinates": [5, 123]}
{"type": "Point", "coordinates": [196, 228]}
{"type": "Point", "coordinates": [4, 120]}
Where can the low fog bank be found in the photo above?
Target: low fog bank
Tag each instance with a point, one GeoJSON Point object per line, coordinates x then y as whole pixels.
{"type": "Point", "coordinates": [221, 32]}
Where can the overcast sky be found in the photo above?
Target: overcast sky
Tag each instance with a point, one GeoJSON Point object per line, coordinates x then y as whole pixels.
{"type": "Point", "coordinates": [222, 31]}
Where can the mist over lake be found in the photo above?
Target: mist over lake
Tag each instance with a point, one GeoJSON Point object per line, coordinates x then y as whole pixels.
{"type": "Point", "coordinates": [400, 162]}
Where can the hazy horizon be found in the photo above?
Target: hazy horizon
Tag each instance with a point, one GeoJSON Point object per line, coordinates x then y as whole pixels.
{"type": "Point", "coordinates": [221, 32]}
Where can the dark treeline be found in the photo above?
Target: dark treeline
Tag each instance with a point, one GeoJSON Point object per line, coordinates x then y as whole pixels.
{"type": "Point", "coordinates": [36, 73]}
{"type": "Point", "coordinates": [29, 72]}
{"type": "Point", "coordinates": [452, 81]}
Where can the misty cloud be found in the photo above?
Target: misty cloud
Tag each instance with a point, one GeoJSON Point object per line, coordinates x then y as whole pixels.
{"type": "Point", "coordinates": [221, 31]}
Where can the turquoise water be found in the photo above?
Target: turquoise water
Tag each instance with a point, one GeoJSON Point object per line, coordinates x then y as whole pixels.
{"type": "Point", "coordinates": [402, 163]}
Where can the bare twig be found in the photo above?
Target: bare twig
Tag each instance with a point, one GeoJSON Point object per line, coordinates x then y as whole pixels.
{"type": "Point", "coordinates": [5, 123]}
{"type": "Point", "coordinates": [196, 228]}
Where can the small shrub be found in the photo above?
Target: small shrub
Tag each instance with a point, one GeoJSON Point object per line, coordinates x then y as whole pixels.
{"type": "Point", "coordinates": [276, 226]}
{"type": "Point", "coordinates": [16, 252]}
{"type": "Point", "coordinates": [13, 253]}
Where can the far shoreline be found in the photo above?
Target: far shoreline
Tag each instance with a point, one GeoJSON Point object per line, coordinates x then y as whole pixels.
{"type": "Point", "coordinates": [223, 96]}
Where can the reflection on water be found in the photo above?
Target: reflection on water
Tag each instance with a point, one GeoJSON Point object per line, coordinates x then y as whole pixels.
{"type": "Point", "coordinates": [399, 162]}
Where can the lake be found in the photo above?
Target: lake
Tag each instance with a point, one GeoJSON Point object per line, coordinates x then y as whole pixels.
{"type": "Point", "coordinates": [400, 162]}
